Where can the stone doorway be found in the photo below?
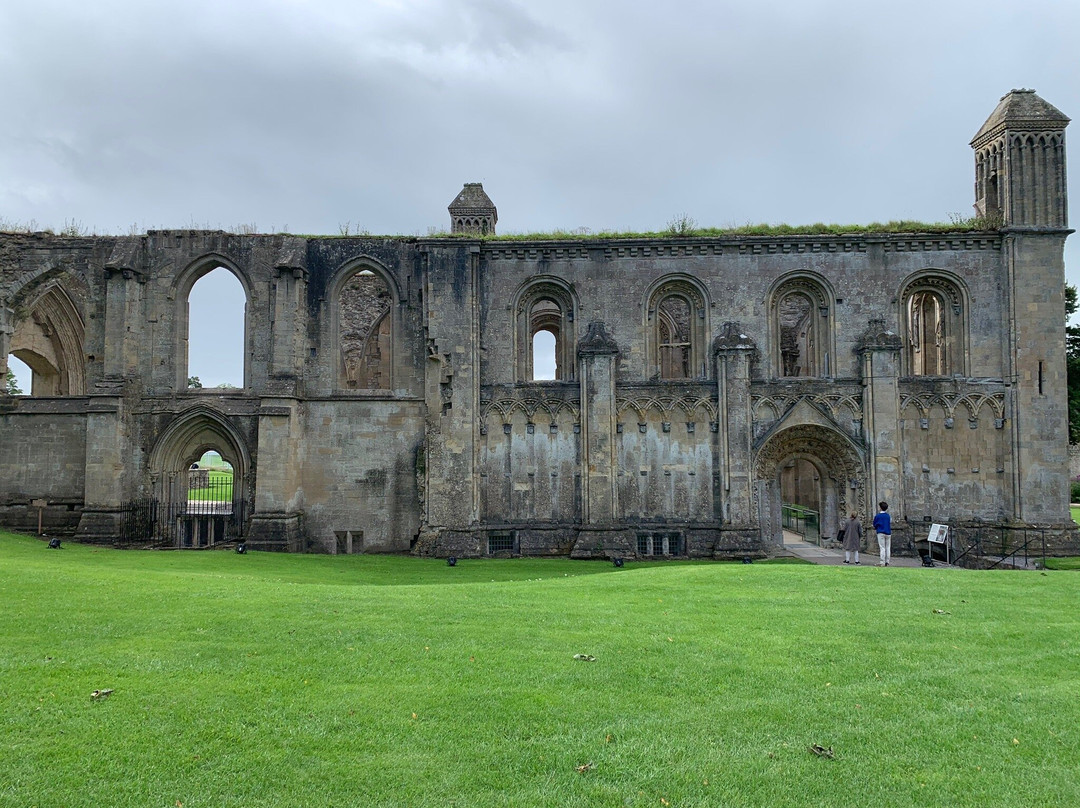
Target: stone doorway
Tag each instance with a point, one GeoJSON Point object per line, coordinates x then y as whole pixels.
{"type": "Point", "coordinates": [809, 465]}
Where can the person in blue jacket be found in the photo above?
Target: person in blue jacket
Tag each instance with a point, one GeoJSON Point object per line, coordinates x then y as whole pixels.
{"type": "Point", "coordinates": [883, 527]}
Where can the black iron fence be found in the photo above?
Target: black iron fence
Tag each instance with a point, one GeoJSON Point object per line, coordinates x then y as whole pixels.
{"type": "Point", "coordinates": [201, 517]}
{"type": "Point", "coordinates": [989, 546]}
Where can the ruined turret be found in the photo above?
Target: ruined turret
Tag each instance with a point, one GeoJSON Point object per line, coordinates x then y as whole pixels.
{"type": "Point", "coordinates": [472, 211]}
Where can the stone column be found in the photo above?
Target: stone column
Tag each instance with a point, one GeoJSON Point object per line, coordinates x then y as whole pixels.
{"type": "Point", "coordinates": [879, 351]}
{"type": "Point", "coordinates": [732, 351]}
{"type": "Point", "coordinates": [598, 537]}
{"type": "Point", "coordinates": [275, 522]}
{"type": "Point", "coordinates": [452, 394]}
{"type": "Point", "coordinates": [7, 329]}
{"type": "Point", "coordinates": [107, 461]}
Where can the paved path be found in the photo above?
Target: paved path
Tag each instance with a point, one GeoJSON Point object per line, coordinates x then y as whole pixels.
{"type": "Point", "coordinates": [794, 545]}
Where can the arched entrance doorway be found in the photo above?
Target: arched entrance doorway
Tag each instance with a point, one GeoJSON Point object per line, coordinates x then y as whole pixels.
{"type": "Point", "coordinates": [199, 476]}
{"type": "Point", "coordinates": [813, 468]}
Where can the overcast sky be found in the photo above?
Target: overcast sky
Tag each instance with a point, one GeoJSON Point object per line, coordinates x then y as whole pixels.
{"type": "Point", "coordinates": [307, 116]}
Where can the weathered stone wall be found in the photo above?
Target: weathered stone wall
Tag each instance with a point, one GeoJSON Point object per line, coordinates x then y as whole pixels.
{"type": "Point", "coordinates": [43, 457]}
{"type": "Point", "coordinates": [385, 403]}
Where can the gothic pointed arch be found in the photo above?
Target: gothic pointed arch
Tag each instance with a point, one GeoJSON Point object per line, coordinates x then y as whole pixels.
{"type": "Point", "coordinates": [933, 318]}
{"type": "Point", "coordinates": [182, 285]}
{"type": "Point", "coordinates": [800, 326]}
{"type": "Point", "coordinates": [839, 462]}
{"type": "Point", "coordinates": [190, 434]}
{"type": "Point", "coordinates": [49, 338]}
{"type": "Point", "coordinates": [364, 325]}
{"type": "Point", "coordinates": [545, 303]}
{"type": "Point", "coordinates": [676, 329]}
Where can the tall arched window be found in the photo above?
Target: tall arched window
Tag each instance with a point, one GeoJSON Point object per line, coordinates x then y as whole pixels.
{"type": "Point", "coordinates": [216, 326]}
{"type": "Point", "coordinates": [800, 328]}
{"type": "Point", "coordinates": [545, 332]}
{"type": "Point", "coordinates": [676, 322]}
{"type": "Point", "coordinates": [365, 332]}
{"type": "Point", "coordinates": [932, 313]}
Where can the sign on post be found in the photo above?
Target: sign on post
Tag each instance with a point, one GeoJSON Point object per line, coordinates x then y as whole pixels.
{"type": "Point", "coordinates": [939, 534]}
{"type": "Point", "coordinates": [40, 504]}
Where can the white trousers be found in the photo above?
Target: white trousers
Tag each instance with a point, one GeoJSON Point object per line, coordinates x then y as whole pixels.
{"type": "Point", "coordinates": [884, 543]}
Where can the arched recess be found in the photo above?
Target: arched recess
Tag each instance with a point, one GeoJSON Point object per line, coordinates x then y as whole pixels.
{"type": "Point", "coordinates": [49, 339]}
{"type": "Point", "coordinates": [933, 318]}
{"type": "Point", "coordinates": [800, 326]}
{"type": "Point", "coordinates": [194, 432]}
{"type": "Point", "coordinates": [365, 325]}
{"type": "Point", "coordinates": [182, 286]}
{"type": "Point", "coordinates": [545, 303]}
{"type": "Point", "coordinates": [676, 329]}
{"type": "Point", "coordinates": [840, 466]}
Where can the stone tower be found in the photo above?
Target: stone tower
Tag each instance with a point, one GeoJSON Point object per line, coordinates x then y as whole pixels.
{"type": "Point", "coordinates": [472, 211]}
{"type": "Point", "coordinates": [1020, 187]}
{"type": "Point", "coordinates": [1020, 163]}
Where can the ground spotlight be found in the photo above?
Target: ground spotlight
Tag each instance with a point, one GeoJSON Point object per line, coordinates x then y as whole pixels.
{"type": "Point", "coordinates": [618, 562]}
{"type": "Point", "coordinates": [451, 561]}
{"type": "Point", "coordinates": [54, 544]}
{"type": "Point", "coordinates": [241, 548]}
{"type": "Point", "coordinates": [747, 560]}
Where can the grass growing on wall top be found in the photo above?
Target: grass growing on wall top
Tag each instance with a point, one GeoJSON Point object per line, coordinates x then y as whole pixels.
{"type": "Point", "coordinates": [266, 680]}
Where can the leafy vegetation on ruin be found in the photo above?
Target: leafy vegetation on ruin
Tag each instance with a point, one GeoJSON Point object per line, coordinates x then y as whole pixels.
{"type": "Point", "coordinates": [266, 680]}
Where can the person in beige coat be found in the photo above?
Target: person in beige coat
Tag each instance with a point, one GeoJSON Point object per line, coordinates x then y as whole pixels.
{"type": "Point", "coordinates": [852, 539]}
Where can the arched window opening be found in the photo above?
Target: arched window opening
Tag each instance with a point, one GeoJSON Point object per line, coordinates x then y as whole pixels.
{"type": "Point", "coordinates": [48, 340]}
{"type": "Point", "coordinates": [20, 377]}
{"type": "Point", "coordinates": [676, 326]}
{"type": "Point", "coordinates": [544, 361]}
{"type": "Point", "coordinates": [932, 316]}
{"type": "Point", "coordinates": [217, 312]}
{"type": "Point", "coordinates": [926, 335]}
{"type": "Point", "coordinates": [545, 339]}
{"type": "Point", "coordinates": [366, 332]}
{"type": "Point", "coordinates": [674, 340]}
{"type": "Point", "coordinates": [800, 328]}
{"type": "Point", "coordinates": [798, 342]}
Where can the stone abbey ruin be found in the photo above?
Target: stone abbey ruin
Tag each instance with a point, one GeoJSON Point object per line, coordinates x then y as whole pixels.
{"type": "Point", "coordinates": [701, 383]}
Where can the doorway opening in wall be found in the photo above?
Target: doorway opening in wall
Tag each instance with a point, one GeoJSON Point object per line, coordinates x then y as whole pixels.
{"type": "Point", "coordinates": [216, 316]}
{"type": "Point", "coordinates": [196, 508]}
{"type": "Point", "coordinates": [20, 378]}
{"type": "Point", "coordinates": [544, 361]}
{"type": "Point", "coordinates": [800, 500]}
{"type": "Point", "coordinates": [207, 515]}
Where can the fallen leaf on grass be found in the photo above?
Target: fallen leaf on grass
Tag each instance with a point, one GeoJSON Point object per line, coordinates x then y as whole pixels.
{"type": "Point", "coordinates": [664, 802]}
{"type": "Point", "coordinates": [941, 611]}
{"type": "Point", "coordinates": [100, 694]}
{"type": "Point", "coordinates": [584, 767]}
{"type": "Point", "coordinates": [1016, 742]}
{"type": "Point", "coordinates": [821, 751]}
{"type": "Point", "coordinates": [584, 657]}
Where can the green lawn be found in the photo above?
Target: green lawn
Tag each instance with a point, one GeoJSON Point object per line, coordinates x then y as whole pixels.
{"type": "Point", "coordinates": [1075, 511]}
{"type": "Point", "coordinates": [219, 488]}
{"type": "Point", "coordinates": [274, 680]}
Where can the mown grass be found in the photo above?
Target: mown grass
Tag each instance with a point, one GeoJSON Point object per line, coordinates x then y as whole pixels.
{"type": "Point", "coordinates": [1071, 563]}
{"type": "Point", "coordinates": [219, 487]}
{"type": "Point", "coordinates": [272, 680]}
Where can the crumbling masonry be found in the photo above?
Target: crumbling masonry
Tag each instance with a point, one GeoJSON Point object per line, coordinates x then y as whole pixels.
{"type": "Point", "coordinates": [390, 399]}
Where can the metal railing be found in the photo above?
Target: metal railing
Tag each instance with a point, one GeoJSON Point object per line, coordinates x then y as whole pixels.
{"type": "Point", "coordinates": [804, 521]}
{"type": "Point", "coordinates": [205, 517]}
